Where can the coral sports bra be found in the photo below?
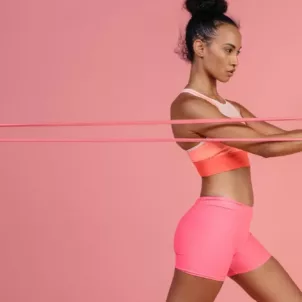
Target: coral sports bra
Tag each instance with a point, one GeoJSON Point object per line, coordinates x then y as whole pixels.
{"type": "Point", "coordinates": [212, 158]}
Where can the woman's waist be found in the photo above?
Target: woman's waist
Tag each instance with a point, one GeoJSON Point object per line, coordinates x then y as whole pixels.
{"type": "Point", "coordinates": [236, 185]}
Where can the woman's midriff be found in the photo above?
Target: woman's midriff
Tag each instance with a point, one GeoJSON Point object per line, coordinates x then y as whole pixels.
{"type": "Point", "coordinates": [235, 184]}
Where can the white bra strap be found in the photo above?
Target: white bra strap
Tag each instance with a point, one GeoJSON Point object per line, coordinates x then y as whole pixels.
{"type": "Point", "coordinates": [198, 94]}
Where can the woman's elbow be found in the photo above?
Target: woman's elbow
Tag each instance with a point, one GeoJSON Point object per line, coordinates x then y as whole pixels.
{"type": "Point", "coordinates": [265, 151]}
{"type": "Point", "coordinates": [266, 155]}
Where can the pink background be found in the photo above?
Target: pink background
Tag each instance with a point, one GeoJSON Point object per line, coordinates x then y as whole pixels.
{"type": "Point", "coordinates": [95, 222]}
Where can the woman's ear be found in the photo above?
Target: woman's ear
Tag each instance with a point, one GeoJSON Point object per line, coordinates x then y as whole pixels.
{"type": "Point", "coordinates": [199, 48]}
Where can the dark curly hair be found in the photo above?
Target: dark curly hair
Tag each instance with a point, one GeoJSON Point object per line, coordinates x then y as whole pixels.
{"type": "Point", "coordinates": [206, 17]}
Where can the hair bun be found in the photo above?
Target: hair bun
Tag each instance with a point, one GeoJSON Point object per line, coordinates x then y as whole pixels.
{"type": "Point", "coordinates": [206, 7]}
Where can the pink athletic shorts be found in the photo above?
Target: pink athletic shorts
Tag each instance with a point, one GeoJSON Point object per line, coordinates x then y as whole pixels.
{"type": "Point", "coordinates": [213, 240]}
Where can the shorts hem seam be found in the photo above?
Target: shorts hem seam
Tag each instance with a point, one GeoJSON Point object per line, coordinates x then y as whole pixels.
{"type": "Point", "coordinates": [201, 275]}
{"type": "Point", "coordinates": [251, 270]}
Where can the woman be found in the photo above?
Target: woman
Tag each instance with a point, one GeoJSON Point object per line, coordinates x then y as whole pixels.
{"type": "Point", "coordinates": [213, 240]}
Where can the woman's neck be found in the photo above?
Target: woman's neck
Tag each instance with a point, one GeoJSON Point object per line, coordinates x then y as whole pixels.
{"type": "Point", "coordinates": [200, 81]}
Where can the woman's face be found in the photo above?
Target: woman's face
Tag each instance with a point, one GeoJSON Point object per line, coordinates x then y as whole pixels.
{"type": "Point", "coordinates": [220, 56]}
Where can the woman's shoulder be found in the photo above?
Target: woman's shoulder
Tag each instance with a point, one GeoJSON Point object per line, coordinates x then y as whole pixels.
{"type": "Point", "coordinates": [191, 105]}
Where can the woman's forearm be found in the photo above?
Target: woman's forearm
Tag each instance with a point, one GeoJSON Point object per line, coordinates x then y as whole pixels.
{"type": "Point", "coordinates": [276, 149]}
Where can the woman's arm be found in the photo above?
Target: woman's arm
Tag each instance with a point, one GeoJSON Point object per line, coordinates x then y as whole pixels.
{"type": "Point", "coordinates": [196, 108]}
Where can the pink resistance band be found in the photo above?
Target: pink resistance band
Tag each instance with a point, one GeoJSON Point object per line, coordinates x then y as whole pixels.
{"type": "Point", "coordinates": [152, 140]}
{"type": "Point", "coordinates": [150, 122]}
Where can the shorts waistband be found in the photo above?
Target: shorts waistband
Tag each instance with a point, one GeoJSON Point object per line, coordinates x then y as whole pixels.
{"type": "Point", "coordinates": [222, 201]}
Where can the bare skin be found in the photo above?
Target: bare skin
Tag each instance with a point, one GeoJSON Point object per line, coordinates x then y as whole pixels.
{"type": "Point", "coordinates": [270, 282]}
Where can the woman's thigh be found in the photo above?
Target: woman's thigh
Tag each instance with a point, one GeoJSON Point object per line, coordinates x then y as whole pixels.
{"type": "Point", "coordinates": [269, 283]}
{"type": "Point", "coordinates": [189, 288]}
